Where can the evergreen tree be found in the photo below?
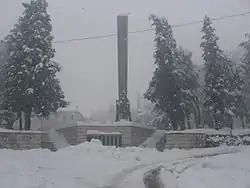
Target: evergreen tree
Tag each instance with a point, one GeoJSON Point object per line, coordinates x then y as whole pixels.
{"type": "Point", "coordinates": [245, 71]}
{"type": "Point", "coordinates": [189, 85]}
{"type": "Point", "coordinates": [219, 91]}
{"type": "Point", "coordinates": [232, 89]}
{"type": "Point", "coordinates": [2, 63]}
{"type": "Point", "coordinates": [7, 118]}
{"type": "Point", "coordinates": [30, 73]}
{"type": "Point", "coordinates": [240, 101]}
{"type": "Point", "coordinates": [165, 87]}
{"type": "Point", "coordinates": [160, 120]}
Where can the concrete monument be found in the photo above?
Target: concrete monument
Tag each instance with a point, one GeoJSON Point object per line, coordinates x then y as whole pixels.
{"type": "Point", "coordinates": [122, 104]}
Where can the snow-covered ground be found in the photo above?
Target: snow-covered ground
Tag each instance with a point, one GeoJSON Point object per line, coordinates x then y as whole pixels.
{"type": "Point", "coordinates": [91, 165]}
{"type": "Point", "coordinates": [223, 171]}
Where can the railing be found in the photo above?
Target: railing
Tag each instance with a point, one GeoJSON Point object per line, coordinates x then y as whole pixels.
{"type": "Point", "coordinates": [107, 139]}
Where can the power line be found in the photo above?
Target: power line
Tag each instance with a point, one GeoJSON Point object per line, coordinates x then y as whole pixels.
{"type": "Point", "coordinates": [85, 38]}
{"type": "Point", "coordinates": [150, 29]}
{"type": "Point", "coordinates": [213, 19]}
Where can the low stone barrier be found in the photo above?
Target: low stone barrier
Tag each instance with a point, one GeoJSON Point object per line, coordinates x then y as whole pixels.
{"type": "Point", "coordinates": [131, 135]}
{"type": "Point", "coordinates": [20, 139]}
{"type": "Point", "coordinates": [199, 138]}
{"type": "Point", "coordinates": [185, 140]}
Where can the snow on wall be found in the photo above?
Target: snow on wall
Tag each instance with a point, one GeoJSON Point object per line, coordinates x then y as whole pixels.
{"type": "Point", "coordinates": [101, 133]}
{"type": "Point", "coordinates": [211, 138]}
{"type": "Point", "coordinates": [236, 132]}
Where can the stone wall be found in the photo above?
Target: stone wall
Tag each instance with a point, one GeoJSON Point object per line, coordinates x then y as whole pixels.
{"type": "Point", "coordinates": [78, 134]}
{"type": "Point", "coordinates": [124, 130]}
{"type": "Point", "coordinates": [185, 140]}
{"type": "Point", "coordinates": [131, 135]}
{"type": "Point", "coordinates": [20, 140]}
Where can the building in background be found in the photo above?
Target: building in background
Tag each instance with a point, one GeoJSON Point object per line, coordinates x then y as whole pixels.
{"type": "Point", "coordinates": [56, 120]}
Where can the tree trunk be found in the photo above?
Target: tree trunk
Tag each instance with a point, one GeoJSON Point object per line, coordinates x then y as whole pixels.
{"type": "Point", "coordinates": [198, 114]}
{"type": "Point", "coordinates": [216, 122]}
{"type": "Point", "coordinates": [188, 121]}
{"type": "Point", "coordinates": [27, 125]}
{"type": "Point", "coordinates": [196, 120]}
{"type": "Point", "coordinates": [174, 125]}
{"type": "Point", "coordinates": [242, 121]}
{"type": "Point", "coordinates": [182, 122]}
{"type": "Point", "coordinates": [182, 125]}
{"type": "Point", "coordinates": [20, 120]}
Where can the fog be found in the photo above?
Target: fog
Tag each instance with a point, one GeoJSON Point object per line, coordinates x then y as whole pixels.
{"type": "Point", "coordinates": [89, 74]}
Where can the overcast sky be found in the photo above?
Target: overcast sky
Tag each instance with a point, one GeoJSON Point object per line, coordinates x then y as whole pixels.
{"type": "Point", "coordinates": [89, 75]}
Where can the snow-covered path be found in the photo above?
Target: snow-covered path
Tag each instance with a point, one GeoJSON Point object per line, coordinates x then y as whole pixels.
{"type": "Point", "coordinates": [88, 165]}
{"type": "Point", "coordinates": [135, 178]}
{"type": "Point", "coordinates": [219, 171]}
{"type": "Point", "coordinates": [223, 171]}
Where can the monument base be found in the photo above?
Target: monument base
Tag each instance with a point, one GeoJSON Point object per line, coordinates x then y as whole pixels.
{"type": "Point", "coordinates": [123, 110]}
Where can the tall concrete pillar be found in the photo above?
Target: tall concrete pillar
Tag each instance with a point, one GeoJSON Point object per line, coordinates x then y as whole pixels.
{"type": "Point", "coordinates": [122, 48]}
{"type": "Point", "coordinates": [122, 105]}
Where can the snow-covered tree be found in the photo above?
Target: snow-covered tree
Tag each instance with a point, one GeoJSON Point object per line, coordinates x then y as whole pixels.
{"type": "Point", "coordinates": [190, 86]}
{"type": "Point", "coordinates": [245, 71]}
{"type": "Point", "coordinates": [234, 98]}
{"type": "Point", "coordinates": [152, 116]}
{"type": "Point", "coordinates": [245, 65]}
{"type": "Point", "coordinates": [173, 81]}
{"type": "Point", "coordinates": [240, 100]}
{"type": "Point", "coordinates": [219, 89]}
{"type": "Point", "coordinates": [7, 118]}
{"type": "Point", "coordinates": [160, 120]}
{"type": "Point", "coordinates": [2, 63]}
{"type": "Point", "coordinates": [30, 73]}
